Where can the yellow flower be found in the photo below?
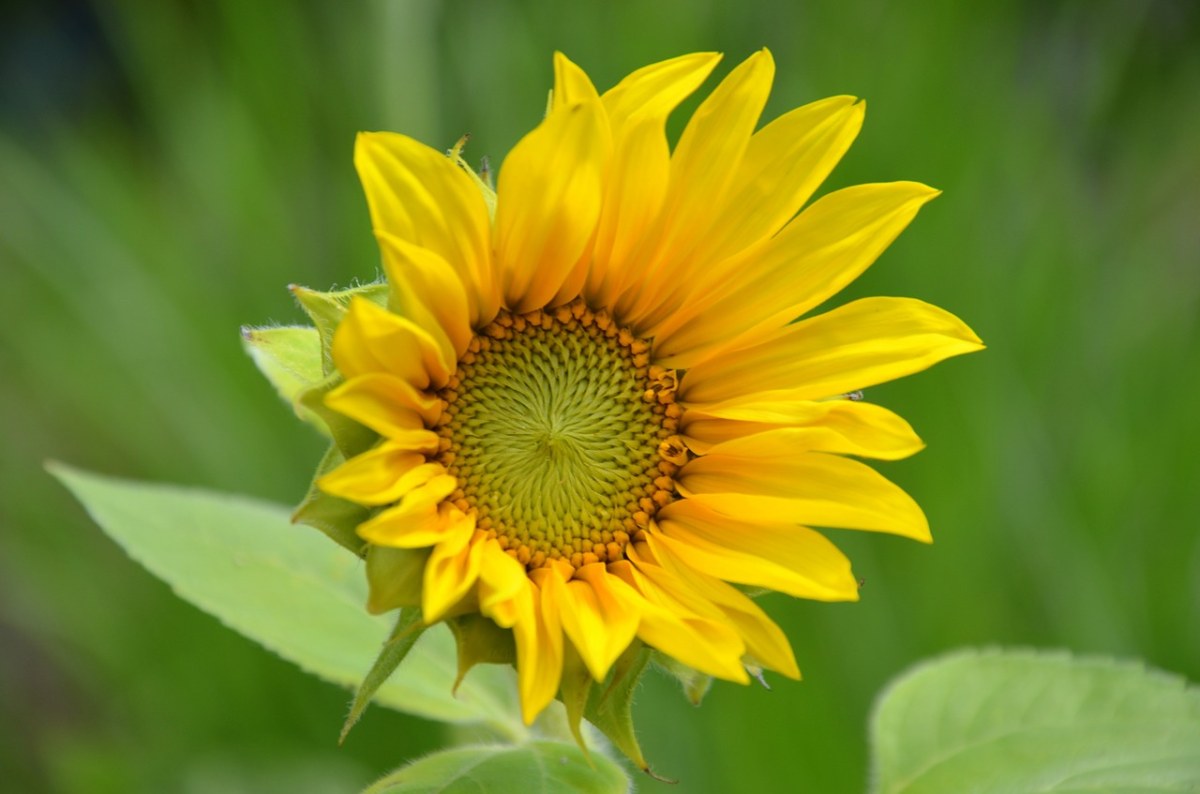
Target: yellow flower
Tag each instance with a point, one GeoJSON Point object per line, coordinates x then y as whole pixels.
{"type": "Point", "coordinates": [594, 409]}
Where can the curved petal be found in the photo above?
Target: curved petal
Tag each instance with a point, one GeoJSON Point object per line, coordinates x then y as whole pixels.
{"type": "Point", "coordinates": [784, 163]}
{"type": "Point", "coordinates": [451, 571]}
{"type": "Point", "coordinates": [381, 475]}
{"type": "Point", "coordinates": [426, 289]}
{"type": "Point", "coordinates": [419, 520]}
{"type": "Point", "coordinates": [501, 581]}
{"type": "Point", "coordinates": [863, 343]}
{"type": "Point", "coordinates": [704, 163]}
{"type": "Point", "coordinates": [372, 339]}
{"type": "Point", "coordinates": [547, 203]}
{"type": "Point", "coordinates": [658, 88]}
{"type": "Point", "coordinates": [702, 641]}
{"type": "Point", "coordinates": [634, 190]}
{"type": "Point", "coordinates": [600, 615]}
{"type": "Point", "coordinates": [571, 84]}
{"type": "Point", "coordinates": [390, 406]}
{"type": "Point", "coordinates": [765, 641]}
{"type": "Point", "coordinates": [805, 488]}
{"type": "Point", "coordinates": [825, 248]}
{"type": "Point", "coordinates": [419, 195]}
{"type": "Point", "coordinates": [538, 636]}
{"type": "Point", "coordinates": [791, 559]}
{"type": "Point", "coordinates": [847, 426]}
{"type": "Point", "coordinates": [637, 110]}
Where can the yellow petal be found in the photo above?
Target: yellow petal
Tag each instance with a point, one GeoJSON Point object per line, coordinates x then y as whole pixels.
{"type": "Point", "coordinates": [765, 641]}
{"type": "Point", "coordinates": [701, 641]}
{"type": "Point", "coordinates": [419, 195]}
{"type": "Point", "coordinates": [634, 191]}
{"type": "Point", "coordinates": [547, 203]}
{"type": "Point", "coordinates": [538, 636]}
{"type": "Point", "coordinates": [825, 248]}
{"type": "Point", "coordinates": [571, 84]}
{"type": "Point", "coordinates": [705, 162]}
{"type": "Point", "coordinates": [452, 570]}
{"type": "Point", "coordinates": [712, 145]}
{"type": "Point", "coordinates": [791, 559]}
{"type": "Point", "coordinates": [785, 162]}
{"type": "Point", "coordinates": [847, 426]}
{"type": "Point", "coordinates": [388, 405]}
{"type": "Point", "coordinates": [418, 520]}
{"type": "Point", "coordinates": [426, 289]}
{"type": "Point", "coordinates": [863, 343]}
{"type": "Point", "coordinates": [501, 580]}
{"type": "Point", "coordinates": [658, 88]}
{"type": "Point", "coordinates": [381, 475]}
{"type": "Point", "coordinates": [637, 110]}
{"type": "Point", "coordinates": [600, 615]}
{"type": "Point", "coordinates": [804, 488]}
{"type": "Point", "coordinates": [783, 165]}
{"type": "Point", "coordinates": [372, 339]}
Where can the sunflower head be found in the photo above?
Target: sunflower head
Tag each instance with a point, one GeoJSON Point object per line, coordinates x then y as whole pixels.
{"type": "Point", "coordinates": [581, 420]}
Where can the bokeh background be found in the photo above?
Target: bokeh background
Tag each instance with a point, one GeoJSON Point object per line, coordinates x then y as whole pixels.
{"type": "Point", "coordinates": [168, 167]}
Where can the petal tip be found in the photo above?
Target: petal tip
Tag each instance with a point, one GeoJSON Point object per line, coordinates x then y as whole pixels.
{"type": "Point", "coordinates": [764, 59]}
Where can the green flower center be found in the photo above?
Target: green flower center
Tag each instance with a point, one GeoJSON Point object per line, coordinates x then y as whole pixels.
{"type": "Point", "coordinates": [556, 431]}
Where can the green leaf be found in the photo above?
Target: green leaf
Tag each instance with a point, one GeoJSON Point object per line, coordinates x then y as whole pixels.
{"type": "Point", "coordinates": [1010, 721]}
{"type": "Point", "coordinates": [408, 630]}
{"type": "Point", "coordinates": [537, 766]}
{"type": "Point", "coordinates": [288, 588]}
{"type": "Point", "coordinates": [290, 358]}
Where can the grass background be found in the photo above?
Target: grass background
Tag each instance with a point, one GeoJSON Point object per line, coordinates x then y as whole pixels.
{"type": "Point", "coordinates": [167, 168]}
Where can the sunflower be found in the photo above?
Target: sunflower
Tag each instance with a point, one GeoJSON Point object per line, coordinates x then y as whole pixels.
{"type": "Point", "coordinates": [592, 419]}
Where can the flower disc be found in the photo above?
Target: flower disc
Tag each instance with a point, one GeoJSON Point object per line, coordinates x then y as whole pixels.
{"type": "Point", "coordinates": [553, 428]}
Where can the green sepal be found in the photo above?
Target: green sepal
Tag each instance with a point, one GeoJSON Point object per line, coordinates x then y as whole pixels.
{"type": "Point", "coordinates": [394, 577]}
{"type": "Point", "coordinates": [326, 310]}
{"type": "Point", "coordinates": [753, 591]}
{"type": "Point", "coordinates": [337, 518]}
{"type": "Point", "coordinates": [349, 436]}
{"type": "Point", "coordinates": [482, 178]}
{"type": "Point", "coordinates": [408, 628]}
{"type": "Point", "coordinates": [574, 690]}
{"type": "Point", "coordinates": [290, 358]}
{"type": "Point", "coordinates": [695, 683]}
{"type": "Point", "coordinates": [609, 707]}
{"type": "Point", "coordinates": [480, 641]}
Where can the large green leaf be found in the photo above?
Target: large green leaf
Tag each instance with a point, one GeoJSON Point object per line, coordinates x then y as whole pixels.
{"type": "Point", "coordinates": [524, 769]}
{"type": "Point", "coordinates": [289, 588]}
{"type": "Point", "coordinates": [1017, 721]}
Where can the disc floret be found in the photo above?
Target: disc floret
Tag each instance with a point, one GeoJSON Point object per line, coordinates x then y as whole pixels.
{"type": "Point", "coordinates": [561, 435]}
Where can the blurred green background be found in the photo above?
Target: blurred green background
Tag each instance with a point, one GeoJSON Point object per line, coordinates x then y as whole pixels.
{"type": "Point", "coordinates": [167, 168]}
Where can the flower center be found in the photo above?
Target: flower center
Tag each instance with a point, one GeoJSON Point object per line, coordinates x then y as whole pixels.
{"type": "Point", "coordinates": [561, 435]}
